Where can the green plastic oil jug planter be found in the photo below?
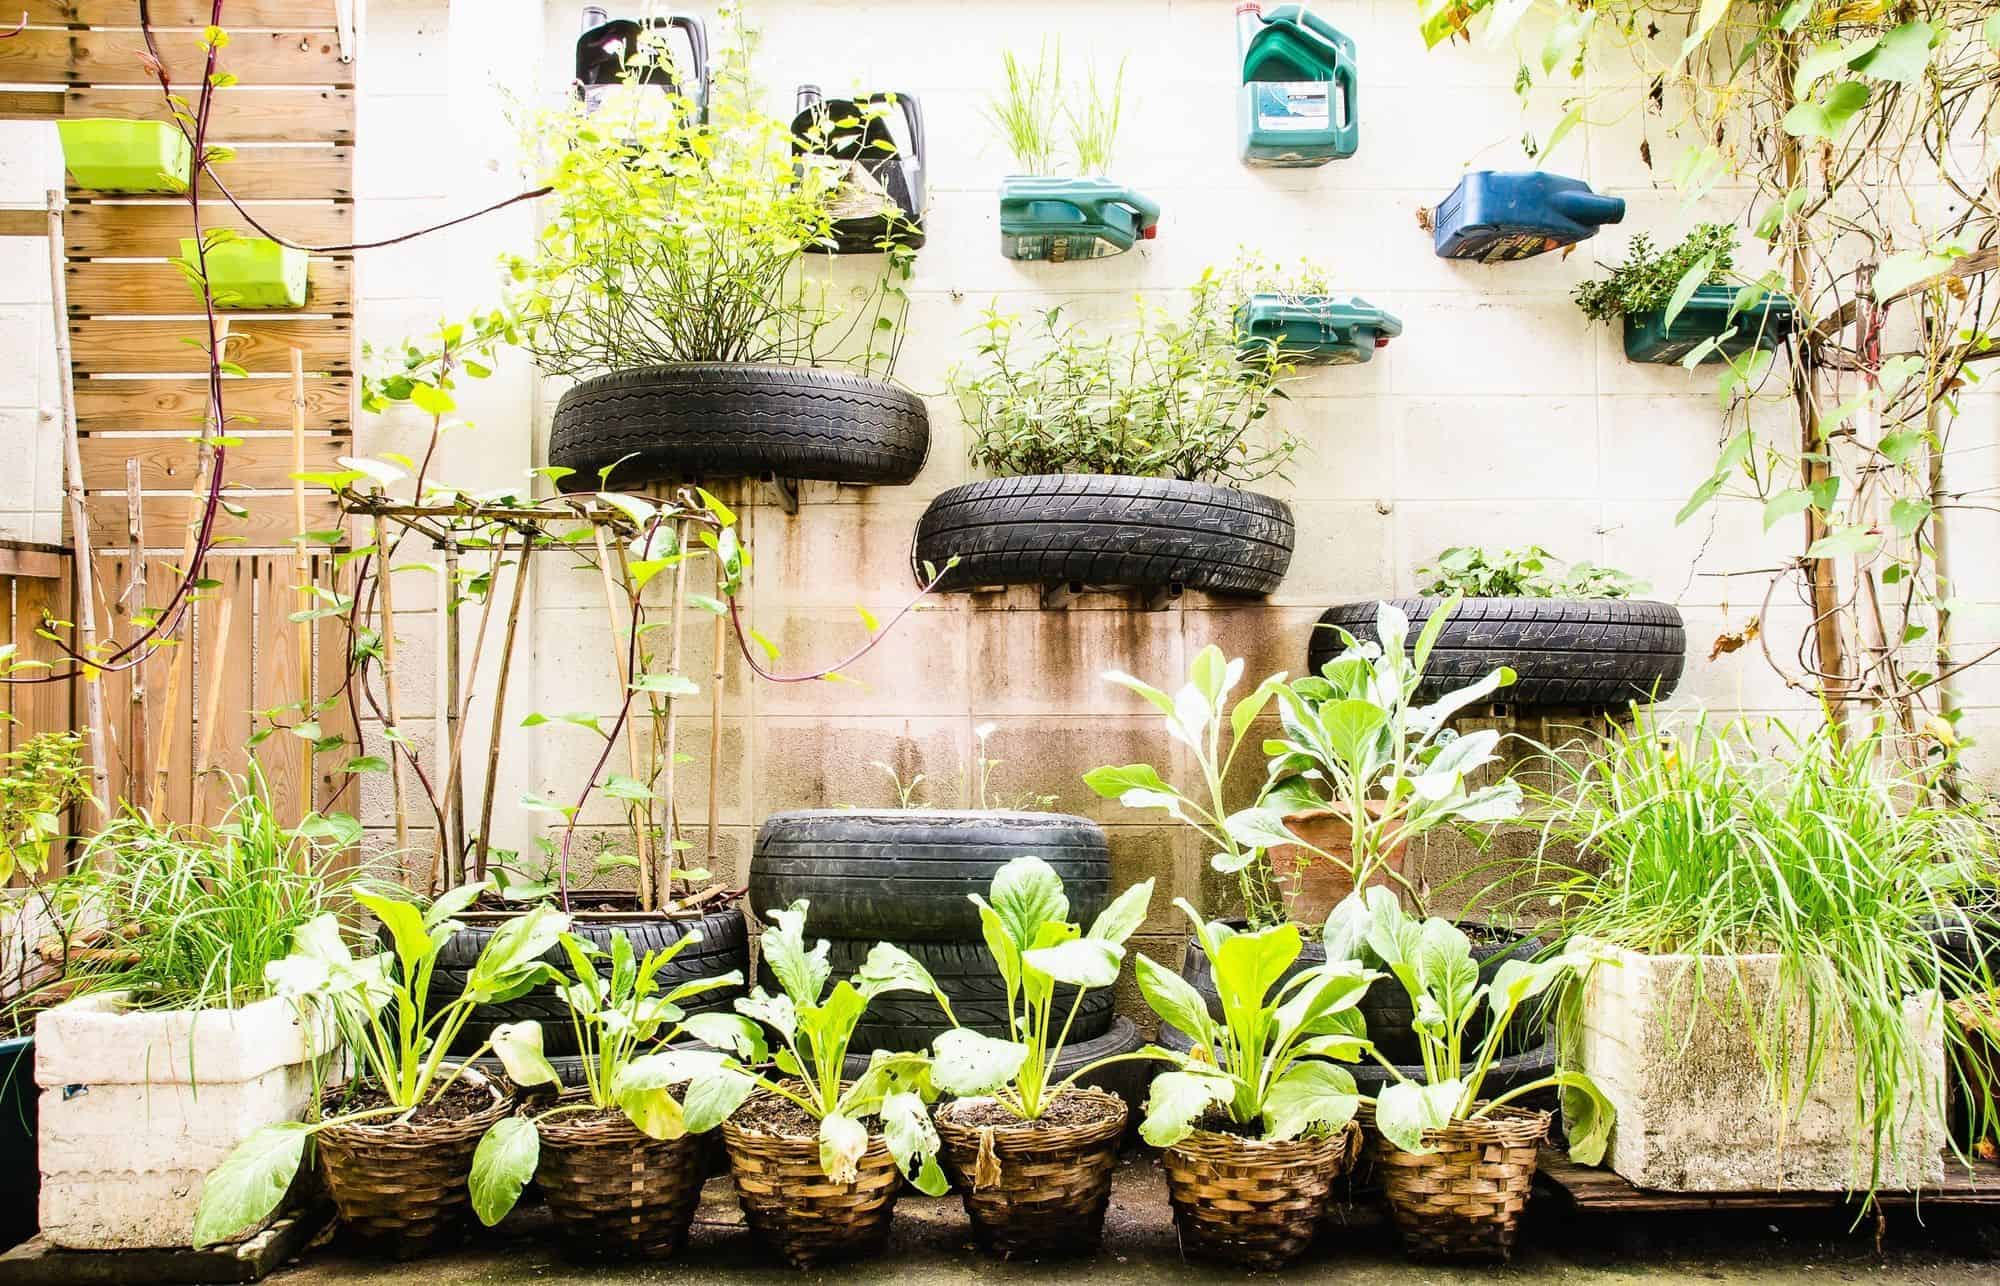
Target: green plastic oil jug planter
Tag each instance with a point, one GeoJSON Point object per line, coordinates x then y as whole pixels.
{"type": "Point", "coordinates": [1058, 220]}
{"type": "Point", "coordinates": [1763, 324]}
{"type": "Point", "coordinates": [1298, 106]}
{"type": "Point", "coordinates": [1315, 330]}
{"type": "Point", "coordinates": [107, 155]}
{"type": "Point", "coordinates": [252, 272]}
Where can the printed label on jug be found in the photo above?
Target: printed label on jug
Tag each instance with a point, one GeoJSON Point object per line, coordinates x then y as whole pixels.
{"type": "Point", "coordinates": [1057, 247]}
{"type": "Point", "coordinates": [1521, 245]}
{"type": "Point", "coordinates": [1293, 105]}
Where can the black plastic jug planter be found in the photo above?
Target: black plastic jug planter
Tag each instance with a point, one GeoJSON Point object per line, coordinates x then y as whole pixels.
{"type": "Point", "coordinates": [882, 203]}
{"type": "Point", "coordinates": [20, 1167]}
{"type": "Point", "coordinates": [699, 420]}
{"type": "Point", "coordinates": [1601, 653]}
{"type": "Point", "coordinates": [1106, 531]}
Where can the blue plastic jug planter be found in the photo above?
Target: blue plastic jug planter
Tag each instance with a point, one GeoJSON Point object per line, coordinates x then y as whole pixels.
{"type": "Point", "coordinates": [1764, 324]}
{"type": "Point", "coordinates": [1495, 217]}
{"type": "Point", "coordinates": [126, 156]}
{"type": "Point", "coordinates": [1299, 103]}
{"type": "Point", "coordinates": [1059, 220]}
{"type": "Point", "coordinates": [1315, 330]}
{"type": "Point", "coordinates": [251, 273]}
{"type": "Point", "coordinates": [1106, 531]}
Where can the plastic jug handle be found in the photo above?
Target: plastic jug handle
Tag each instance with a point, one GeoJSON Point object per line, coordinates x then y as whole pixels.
{"type": "Point", "coordinates": [1589, 207]}
{"type": "Point", "coordinates": [913, 115]}
{"type": "Point", "coordinates": [697, 38]}
{"type": "Point", "coordinates": [1349, 83]}
{"type": "Point", "coordinates": [1138, 203]}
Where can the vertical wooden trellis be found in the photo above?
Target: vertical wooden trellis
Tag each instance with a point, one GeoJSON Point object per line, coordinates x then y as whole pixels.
{"type": "Point", "coordinates": [140, 393]}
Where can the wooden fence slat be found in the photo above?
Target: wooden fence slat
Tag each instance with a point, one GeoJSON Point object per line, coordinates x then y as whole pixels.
{"type": "Point", "coordinates": [101, 289]}
{"type": "Point", "coordinates": [38, 707]}
{"type": "Point", "coordinates": [274, 174]}
{"type": "Point", "coordinates": [277, 679]}
{"type": "Point", "coordinates": [114, 621]}
{"type": "Point", "coordinates": [131, 347]}
{"type": "Point", "coordinates": [239, 115]}
{"type": "Point", "coordinates": [162, 575]}
{"type": "Point", "coordinates": [239, 15]}
{"type": "Point", "coordinates": [177, 405]}
{"type": "Point", "coordinates": [231, 663]}
{"type": "Point", "coordinates": [118, 58]}
{"type": "Point", "coordinates": [268, 524]}
{"type": "Point", "coordinates": [330, 648]}
{"type": "Point", "coordinates": [167, 463]}
{"type": "Point", "coordinates": [107, 230]}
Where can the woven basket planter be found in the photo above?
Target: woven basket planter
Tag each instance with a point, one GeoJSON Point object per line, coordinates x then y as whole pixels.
{"type": "Point", "coordinates": [1053, 1185]}
{"type": "Point", "coordinates": [1251, 1203]}
{"type": "Point", "coordinates": [793, 1207]}
{"type": "Point", "coordinates": [615, 1192]}
{"type": "Point", "coordinates": [401, 1188]}
{"type": "Point", "coordinates": [1464, 1200]}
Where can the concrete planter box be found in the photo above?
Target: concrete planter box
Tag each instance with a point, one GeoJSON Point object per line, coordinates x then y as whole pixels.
{"type": "Point", "coordinates": [1695, 1112]}
{"type": "Point", "coordinates": [137, 1108]}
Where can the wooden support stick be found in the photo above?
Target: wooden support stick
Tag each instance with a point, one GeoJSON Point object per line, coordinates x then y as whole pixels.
{"type": "Point", "coordinates": [169, 707]}
{"type": "Point", "coordinates": [135, 596]}
{"type": "Point", "coordinates": [302, 567]}
{"type": "Point", "coordinates": [673, 703]}
{"type": "Point", "coordinates": [79, 520]}
{"type": "Point", "coordinates": [500, 708]}
{"type": "Point", "coordinates": [715, 721]}
{"type": "Point", "coordinates": [644, 815]}
{"type": "Point", "coordinates": [211, 697]}
{"type": "Point", "coordinates": [384, 577]}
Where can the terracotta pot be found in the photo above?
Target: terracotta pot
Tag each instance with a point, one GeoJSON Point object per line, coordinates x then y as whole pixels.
{"type": "Point", "coordinates": [1312, 885]}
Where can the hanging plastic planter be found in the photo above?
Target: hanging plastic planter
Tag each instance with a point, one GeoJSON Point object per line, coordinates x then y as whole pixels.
{"type": "Point", "coordinates": [126, 156]}
{"type": "Point", "coordinates": [1298, 104]}
{"type": "Point", "coordinates": [612, 51]}
{"type": "Point", "coordinates": [1315, 330]}
{"type": "Point", "coordinates": [1763, 324]}
{"type": "Point", "coordinates": [1059, 220]}
{"type": "Point", "coordinates": [251, 272]}
{"type": "Point", "coordinates": [1494, 217]}
{"type": "Point", "coordinates": [881, 196]}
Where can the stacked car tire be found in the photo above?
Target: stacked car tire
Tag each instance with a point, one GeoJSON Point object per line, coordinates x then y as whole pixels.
{"type": "Point", "coordinates": [905, 876]}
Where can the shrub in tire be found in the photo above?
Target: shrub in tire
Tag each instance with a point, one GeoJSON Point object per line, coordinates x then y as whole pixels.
{"type": "Point", "coordinates": [724, 945]}
{"type": "Point", "coordinates": [723, 420]}
{"type": "Point", "coordinates": [1106, 530]}
{"type": "Point", "coordinates": [904, 875]}
{"type": "Point", "coordinates": [1564, 651]}
{"type": "Point", "coordinates": [965, 972]}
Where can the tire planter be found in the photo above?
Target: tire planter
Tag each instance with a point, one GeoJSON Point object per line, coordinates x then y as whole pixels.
{"type": "Point", "coordinates": [401, 1188]}
{"type": "Point", "coordinates": [905, 1020]}
{"type": "Point", "coordinates": [616, 1193]}
{"type": "Point", "coordinates": [1052, 1186]}
{"type": "Point", "coordinates": [1249, 1203]}
{"type": "Point", "coordinates": [724, 945]}
{"type": "Point", "coordinates": [720, 420]}
{"type": "Point", "coordinates": [790, 1204]}
{"type": "Point", "coordinates": [1104, 530]}
{"type": "Point", "coordinates": [1601, 653]}
{"type": "Point", "coordinates": [903, 876]}
{"type": "Point", "coordinates": [1464, 1201]}
{"type": "Point", "coordinates": [1385, 1008]}
{"type": "Point", "coordinates": [1129, 1081]}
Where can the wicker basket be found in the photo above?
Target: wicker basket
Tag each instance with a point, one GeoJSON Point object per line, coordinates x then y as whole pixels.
{"type": "Point", "coordinates": [401, 1188]}
{"type": "Point", "coordinates": [1045, 1190]}
{"type": "Point", "coordinates": [1465, 1199]}
{"type": "Point", "coordinates": [615, 1192]}
{"type": "Point", "coordinates": [1251, 1203]}
{"type": "Point", "coordinates": [791, 1205]}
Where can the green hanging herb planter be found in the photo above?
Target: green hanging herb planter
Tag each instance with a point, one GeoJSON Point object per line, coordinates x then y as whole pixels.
{"type": "Point", "coordinates": [1764, 324]}
{"type": "Point", "coordinates": [125, 156]}
{"type": "Point", "coordinates": [251, 272]}
{"type": "Point", "coordinates": [1315, 330]}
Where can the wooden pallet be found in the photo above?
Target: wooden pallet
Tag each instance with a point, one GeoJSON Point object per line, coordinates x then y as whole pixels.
{"type": "Point", "coordinates": [1586, 1189]}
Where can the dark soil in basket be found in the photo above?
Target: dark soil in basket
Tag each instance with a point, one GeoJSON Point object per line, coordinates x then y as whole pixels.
{"type": "Point", "coordinates": [455, 1104]}
{"type": "Point", "coordinates": [1067, 1112]}
{"type": "Point", "coordinates": [769, 1114]}
{"type": "Point", "coordinates": [1216, 1120]}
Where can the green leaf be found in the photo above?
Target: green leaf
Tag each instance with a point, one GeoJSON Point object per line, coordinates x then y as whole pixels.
{"type": "Point", "coordinates": [967, 1062]}
{"type": "Point", "coordinates": [1901, 55]}
{"type": "Point", "coordinates": [1171, 997]}
{"type": "Point", "coordinates": [1405, 1110]}
{"type": "Point", "coordinates": [1160, 700]}
{"type": "Point", "coordinates": [1177, 1100]}
{"type": "Point", "coordinates": [669, 683]}
{"type": "Point", "coordinates": [1122, 918]}
{"type": "Point", "coordinates": [433, 401]}
{"type": "Point", "coordinates": [1587, 1117]}
{"type": "Point", "coordinates": [1847, 540]}
{"type": "Point", "coordinates": [1311, 1095]}
{"type": "Point", "coordinates": [1693, 279]}
{"type": "Point", "coordinates": [1786, 504]}
{"type": "Point", "coordinates": [713, 1097]}
{"type": "Point", "coordinates": [1829, 118]}
{"type": "Point", "coordinates": [1112, 782]}
{"type": "Point", "coordinates": [913, 1141]}
{"type": "Point", "coordinates": [1900, 272]}
{"type": "Point", "coordinates": [518, 1046]}
{"type": "Point", "coordinates": [1826, 58]}
{"type": "Point", "coordinates": [502, 1165]}
{"type": "Point", "coordinates": [405, 924]}
{"type": "Point", "coordinates": [630, 789]}
{"type": "Point", "coordinates": [1026, 894]}
{"type": "Point", "coordinates": [1081, 962]}
{"type": "Point", "coordinates": [1259, 828]}
{"type": "Point", "coordinates": [842, 1140]}
{"type": "Point", "coordinates": [1908, 514]}
{"type": "Point", "coordinates": [242, 1192]}
{"type": "Point", "coordinates": [1993, 33]}
{"type": "Point", "coordinates": [365, 763]}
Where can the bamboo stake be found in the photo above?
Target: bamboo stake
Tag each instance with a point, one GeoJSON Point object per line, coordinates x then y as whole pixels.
{"type": "Point", "coordinates": [302, 565]}
{"type": "Point", "coordinates": [135, 593]}
{"type": "Point", "coordinates": [715, 722]}
{"type": "Point", "coordinates": [79, 520]}
{"type": "Point", "coordinates": [673, 705]}
{"type": "Point", "coordinates": [645, 826]}
{"type": "Point", "coordinates": [454, 781]}
{"type": "Point", "coordinates": [383, 578]}
{"type": "Point", "coordinates": [211, 698]}
{"type": "Point", "coordinates": [169, 707]}
{"type": "Point", "coordinates": [500, 707]}
{"type": "Point", "coordinates": [447, 730]}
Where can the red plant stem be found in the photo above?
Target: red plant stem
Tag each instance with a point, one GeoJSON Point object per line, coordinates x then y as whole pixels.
{"type": "Point", "coordinates": [743, 641]}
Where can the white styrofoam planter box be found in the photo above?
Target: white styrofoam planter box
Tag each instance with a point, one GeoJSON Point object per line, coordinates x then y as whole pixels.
{"type": "Point", "coordinates": [137, 1108]}
{"type": "Point", "coordinates": [1695, 1107]}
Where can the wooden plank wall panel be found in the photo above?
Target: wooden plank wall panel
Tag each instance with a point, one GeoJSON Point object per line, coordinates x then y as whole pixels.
{"type": "Point", "coordinates": [100, 289]}
{"type": "Point", "coordinates": [260, 347]}
{"type": "Point", "coordinates": [240, 15]}
{"type": "Point", "coordinates": [108, 230]}
{"type": "Point", "coordinates": [226, 663]}
{"type": "Point", "coordinates": [168, 464]}
{"type": "Point", "coordinates": [239, 115]}
{"type": "Point", "coordinates": [276, 174]}
{"type": "Point", "coordinates": [175, 406]}
{"type": "Point", "coordinates": [267, 523]}
{"type": "Point", "coordinates": [117, 57]}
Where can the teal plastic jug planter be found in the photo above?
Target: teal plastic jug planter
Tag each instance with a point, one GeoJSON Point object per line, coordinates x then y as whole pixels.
{"type": "Point", "coordinates": [1315, 330]}
{"type": "Point", "coordinates": [1763, 324]}
{"type": "Point", "coordinates": [252, 272]}
{"type": "Point", "coordinates": [1059, 220]}
{"type": "Point", "coordinates": [1299, 102]}
{"type": "Point", "coordinates": [125, 156]}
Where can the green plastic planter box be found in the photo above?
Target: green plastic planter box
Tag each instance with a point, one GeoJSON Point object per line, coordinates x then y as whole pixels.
{"type": "Point", "coordinates": [1316, 330]}
{"type": "Point", "coordinates": [1763, 324]}
{"type": "Point", "coordinates": [125, 156]}
{"type": "Point", "coordinates": [252, 272]}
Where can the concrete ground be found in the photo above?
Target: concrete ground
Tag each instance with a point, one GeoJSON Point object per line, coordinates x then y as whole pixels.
{"type": "Point", "coordinates": [931, 1248]}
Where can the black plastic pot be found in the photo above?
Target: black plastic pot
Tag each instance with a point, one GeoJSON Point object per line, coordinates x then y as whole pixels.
{"type": "Point", "coordinates": [20, 1164]}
